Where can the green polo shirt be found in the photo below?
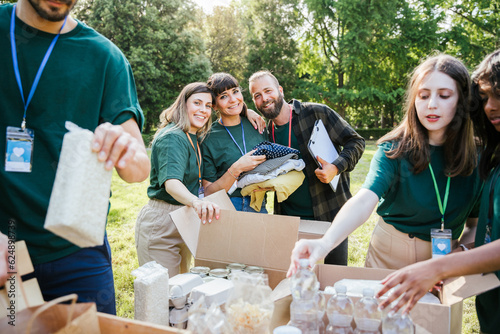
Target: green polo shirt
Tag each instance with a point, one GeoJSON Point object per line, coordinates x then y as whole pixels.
{"type": "Point", "coordinates": [487, 304]}
{"type": "Point", "coordinates": [172, 157]}
{"type": "Point", "coordinates": [220, 151]}
{"type": "Point", "coordinates": [299, 203]}
{"type": "Point", "coordinates": [408, 201]}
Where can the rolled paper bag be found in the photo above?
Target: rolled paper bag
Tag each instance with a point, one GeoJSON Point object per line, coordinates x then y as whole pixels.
{"type": "Point", "coordinates": [79, 201]}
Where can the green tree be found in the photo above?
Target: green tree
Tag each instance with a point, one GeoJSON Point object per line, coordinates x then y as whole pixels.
{"type": "Point", "coordinates": [225, 36]}
{"type": "Point", "coordinates": [367, 49]}
{"type": "Point", "coordinates": [158, 39]}
{"type": "Point", "coordinates": [474, 30]}
{"type": "Point", "coordinates": [271, 40]}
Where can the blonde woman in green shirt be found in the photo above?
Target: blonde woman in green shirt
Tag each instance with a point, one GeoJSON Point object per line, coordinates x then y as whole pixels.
{"type": "Point", "coordinates": [175, 179]}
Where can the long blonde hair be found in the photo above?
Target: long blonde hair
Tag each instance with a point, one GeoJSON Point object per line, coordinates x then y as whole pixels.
{"type": "Point", "coordinates": [177, 112]}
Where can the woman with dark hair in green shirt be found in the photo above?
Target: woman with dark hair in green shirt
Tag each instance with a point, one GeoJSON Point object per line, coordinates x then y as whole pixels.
{"type": "Point", "coordinates": [423, 177]}
{"type": "Point", "coordinates": [175, 179]}
{"type": "Point", "coordinates": [228, 147]}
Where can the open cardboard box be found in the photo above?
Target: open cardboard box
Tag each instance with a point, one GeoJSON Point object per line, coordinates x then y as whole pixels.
{"type": "Point", "coordinates": [428, 317]}
{"type": "Point", "coordinates": [253, 239]}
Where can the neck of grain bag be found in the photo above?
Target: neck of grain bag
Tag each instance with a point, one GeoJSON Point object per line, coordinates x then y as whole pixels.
{"type": "Point", "coordinates": [79, 201]}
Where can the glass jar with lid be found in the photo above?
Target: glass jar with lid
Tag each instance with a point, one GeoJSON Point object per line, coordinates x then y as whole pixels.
{"type": "Point", "coordinates": [202, 271]}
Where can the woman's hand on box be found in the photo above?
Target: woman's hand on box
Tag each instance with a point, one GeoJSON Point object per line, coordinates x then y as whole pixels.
{"type": "Point", "coordinates": [206, 210]}
{"type": "Point", "coordinates": [411, 283]}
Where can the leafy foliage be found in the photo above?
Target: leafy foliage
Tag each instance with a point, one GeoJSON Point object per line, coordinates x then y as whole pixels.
{"type": "Point", "coordinates": [164, 50]}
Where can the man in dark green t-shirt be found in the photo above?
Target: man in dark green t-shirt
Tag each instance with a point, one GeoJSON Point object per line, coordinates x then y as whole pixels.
{"type": "Point", "coordinates": [84, 79]}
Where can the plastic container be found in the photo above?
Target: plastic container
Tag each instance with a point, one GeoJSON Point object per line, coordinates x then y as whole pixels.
{"type": "Point", "coordinates": [215, 292]}
{"type": "Point", "coordinates": [340, 312]}
{"type": "Point", "coordinates": [396, 323]}
{"type": "Point", "coordinates": [287, 330]}
{"type": "Point", "coordinates": [179, 318]}
{"type": "Point", "coordinates": [305, 308]}
{"type": "Point", "coordinates": [367, 316]}
{"type": "Point", "coordinates": [180, 286]}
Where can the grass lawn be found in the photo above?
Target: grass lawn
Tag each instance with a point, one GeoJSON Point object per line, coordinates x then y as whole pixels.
{"type": "Point", "coordinates": [128, 199]}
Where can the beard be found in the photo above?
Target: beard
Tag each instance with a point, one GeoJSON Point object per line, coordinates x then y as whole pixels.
{"type": "Point", "coordinates": [53, 14]}
{"type": "Point", "coordinates": [274, 112]}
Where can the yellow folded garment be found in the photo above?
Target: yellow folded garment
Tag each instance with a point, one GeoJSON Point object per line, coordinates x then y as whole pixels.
{"type": "Point", "coordinates": [284, 185]}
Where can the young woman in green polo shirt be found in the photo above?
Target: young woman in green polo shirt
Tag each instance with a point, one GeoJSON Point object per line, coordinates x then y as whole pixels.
{"type": "Point", "coordinates": [175, 179]}
{"type": "Point", "coordinates": [422, 177]}
{"type": "Point", "coordinates": [228, 147]}
{"type": "Point", "coordinates": [417, 279]}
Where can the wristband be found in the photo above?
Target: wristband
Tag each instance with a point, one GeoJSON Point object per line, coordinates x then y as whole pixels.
{"type": "Point", "coordinates": [232, 174]}
{"type": "Point", "coordinates": [464, 248]}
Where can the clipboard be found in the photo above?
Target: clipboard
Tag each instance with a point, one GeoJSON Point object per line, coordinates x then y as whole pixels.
{"type": "Point", "coordinates": [321, 145]}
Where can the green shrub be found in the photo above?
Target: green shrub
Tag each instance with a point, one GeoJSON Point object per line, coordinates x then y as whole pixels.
{"type": "Point", "coordinates": [372, 134]}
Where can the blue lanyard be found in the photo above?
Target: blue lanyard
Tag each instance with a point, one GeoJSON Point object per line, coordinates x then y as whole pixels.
{"type": "Point", "coordinates": [16, 65]}
{"type": "Point", "coordinates": [242, 134]}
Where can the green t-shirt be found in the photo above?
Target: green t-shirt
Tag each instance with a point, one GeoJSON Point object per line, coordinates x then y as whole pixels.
{"type": "Point", "coordinates": [87, 81]}
{"type": "Point", "coordinates": [220, 151]}
{"type": "Point", "coordinates": [173, 157]}
{"type": "Point", "coordinates": [487, 303]}
{"type": "Point", "coordinates": [299, 203]}
{"type": "Point", "coordinates": [408, 201]}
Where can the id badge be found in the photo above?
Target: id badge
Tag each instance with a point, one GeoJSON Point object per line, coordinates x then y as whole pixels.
{"type": "Point", "coordinates": [19, 150]}
{"type": "Point", "coordinates": [201, 192]}
{"type": "Point", "coordinates": [441, 242]}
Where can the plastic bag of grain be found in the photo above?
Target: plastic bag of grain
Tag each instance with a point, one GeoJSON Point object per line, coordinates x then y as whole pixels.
{"type": "Point", "coordinates": [79, 201]}
{"type": "Point", "coordinates": [151, 293]}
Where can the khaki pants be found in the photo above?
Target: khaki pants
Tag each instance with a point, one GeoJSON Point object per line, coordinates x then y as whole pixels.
{"type": "Point", "coordinates": [392, 249]}
{"type": "Point", "coordinates": [157, 238]}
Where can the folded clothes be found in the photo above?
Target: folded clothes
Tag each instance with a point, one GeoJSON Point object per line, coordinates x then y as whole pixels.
{"type": "Point", "coordinates": [284, 185]}
{"type": "Point", "coordinates": [290, 164]}
{"type": "Point", "coordinates": [273, 150]}
{"type": "Point", "coordinates": [270, 165]}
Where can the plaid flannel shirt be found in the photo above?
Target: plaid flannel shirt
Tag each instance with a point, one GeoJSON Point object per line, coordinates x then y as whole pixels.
{"type": "Point", "coordinates": [348, 142]}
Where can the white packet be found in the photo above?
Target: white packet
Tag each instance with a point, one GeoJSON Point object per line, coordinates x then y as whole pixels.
{"type": "Point", "coordinates": [151, 293]}
{"type": "Point", "coordinates": [80, 197]}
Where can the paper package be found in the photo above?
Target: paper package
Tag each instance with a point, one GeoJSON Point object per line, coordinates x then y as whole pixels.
{"type": "Point", "coordinates": [79, 201]}
{"type": "Point", "coordinates": [151, 293]}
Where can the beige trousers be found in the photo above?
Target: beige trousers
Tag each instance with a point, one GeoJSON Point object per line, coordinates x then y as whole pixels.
{"type": "Point", "coordinates": [392, 249]}
{"type": "Point", "coordinates": [157, 238]}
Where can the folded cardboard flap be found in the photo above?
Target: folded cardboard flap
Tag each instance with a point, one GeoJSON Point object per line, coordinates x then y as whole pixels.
{"type": "Point", "coordinates": [458, 288]}
{"type": "Point", "coordinates": [249, 238]}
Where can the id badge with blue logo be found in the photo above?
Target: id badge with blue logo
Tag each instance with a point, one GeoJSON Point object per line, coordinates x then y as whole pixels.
{"type": "Point", "coordinates": [441, 242]}
{"type": "Point", "coordinates": [19, 150]}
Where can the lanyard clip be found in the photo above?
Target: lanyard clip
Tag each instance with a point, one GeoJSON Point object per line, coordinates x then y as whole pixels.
{"type": "Point", "coordinates": [23, 124]}
{"type": "Point", "coordinates": [442, 224]}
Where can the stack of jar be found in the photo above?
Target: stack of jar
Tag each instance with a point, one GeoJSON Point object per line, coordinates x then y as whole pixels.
{"type": "Point", "coordinates": [308, 308]}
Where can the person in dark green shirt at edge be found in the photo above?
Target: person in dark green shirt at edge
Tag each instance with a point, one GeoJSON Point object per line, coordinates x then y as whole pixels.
{"type": "Point", "coordinates": [175, 179]}
{"type": "Point", "coordinates": [483, 255]}
{"type": "Point", "coordinates": [86, 80]}
{"type": "Point", "coordinates": [227, 150]}
{"type": "Point", "coordinates": [409, 175]}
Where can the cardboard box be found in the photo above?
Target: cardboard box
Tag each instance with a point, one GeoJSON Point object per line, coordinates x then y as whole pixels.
{"type": "Point", "coordinates": [111, 324]}
{"type": "Point", "coordinates": [25, 293]}
{"type": "Point", "coordinates": [428, 318]}
{"type": "Point", "coordinates": [254, 239]}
